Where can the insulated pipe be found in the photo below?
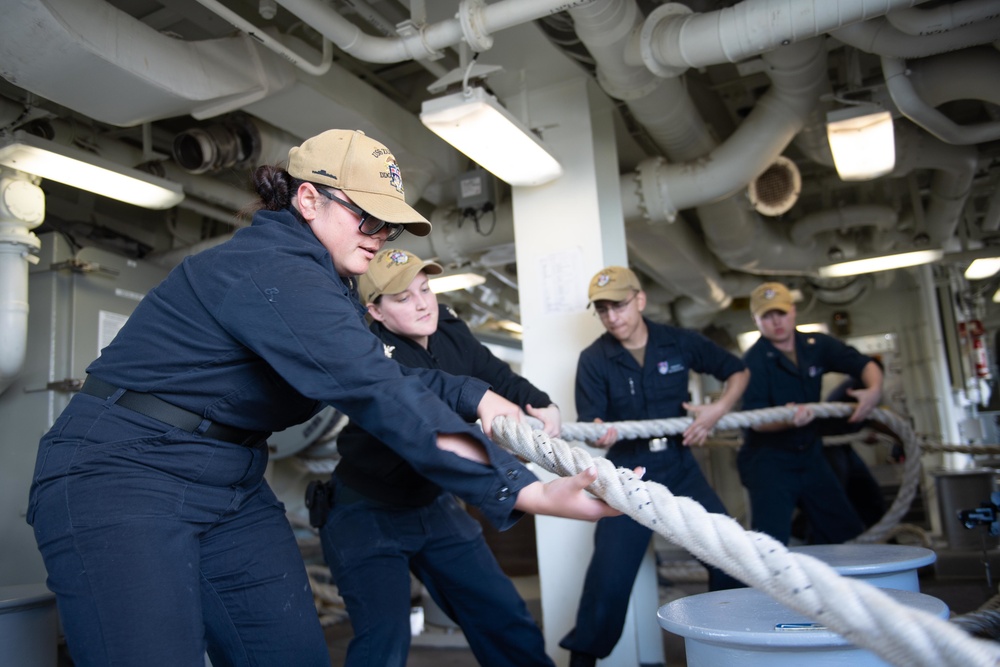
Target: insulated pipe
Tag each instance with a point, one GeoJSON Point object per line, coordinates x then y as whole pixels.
{"type": "Point", "coordinates": [880, 38]}
{"type": "Point", "coordinates": [954, 168]}
{"type": "Point", "coordinates": [22, 208]}
{"type": "Point", "coordinates": [386, 27]}
{"type": "Point", "coordinates": [935, 82]}
{"type": "Point", "coordinates": [675, 256]}
{"type": "Point", "coordinates": [798, 75]}
{"type": "Point", "coordinates": [805, 229]}
{"type": "Point", "coordinates": [662, 106]}
{"type": "Point", "coordinates": [940, 19]}
{"type": "Point", "coordinates": [673, 40]}
{"type": "Point", "coordinates": [913, 107]}
{"type": "Point", "coordinates": [250, 29]}
{"type": "Point", "coordinates": [991, 221]}
{"type": "Point", "coordinates": [116, 69]}
{"type": "Point", "coordinates": [475, 24]}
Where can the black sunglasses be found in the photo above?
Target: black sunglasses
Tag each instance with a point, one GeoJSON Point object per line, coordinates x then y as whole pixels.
{"type": "Point", "coordinates": [369, 225]}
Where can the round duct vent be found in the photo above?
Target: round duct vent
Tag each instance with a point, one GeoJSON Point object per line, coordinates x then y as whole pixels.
{"type": "Point", "coordinates": [777, 189]}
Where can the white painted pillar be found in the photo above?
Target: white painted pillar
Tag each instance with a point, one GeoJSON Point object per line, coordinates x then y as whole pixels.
{"type": "Point", "coordinates": [566, 231]}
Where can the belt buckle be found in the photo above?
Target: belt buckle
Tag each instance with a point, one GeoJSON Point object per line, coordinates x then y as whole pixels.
{"type": "Point", "coordinates": [658, 444]}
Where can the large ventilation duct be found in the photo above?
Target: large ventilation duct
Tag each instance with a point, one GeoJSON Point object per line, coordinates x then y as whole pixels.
{"type": "Point", "coordinates": [879, 37]}
{"type": "Point", "coordinates": [979, 78]}
{"type": "Point", "coordinates": [672, 39]}
{"type": "Point", "coordinates": [98, 60]}
{"type": "Point", "coordinates": [949, 16]}
{"type": "Point", "coordinates": [954, 168]}
{"type": "Point", "coordinates": [475, 24]}
{"type": "Point", "coordinates": [805, 230]}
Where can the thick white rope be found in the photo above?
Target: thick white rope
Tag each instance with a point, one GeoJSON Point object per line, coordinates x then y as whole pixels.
{"type": "Point", "coordinates": [653, 428]}
{"type": "Point", "coordinates": [859, 612]}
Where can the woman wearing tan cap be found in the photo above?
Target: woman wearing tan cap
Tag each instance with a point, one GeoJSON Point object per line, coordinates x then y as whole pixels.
{"type": "Point", "coordinates": [388, 520]}
{"type": "Point", "coordinates": [160, 535]}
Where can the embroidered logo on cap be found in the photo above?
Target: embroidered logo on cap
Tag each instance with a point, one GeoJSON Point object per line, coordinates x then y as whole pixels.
{"type": "Point", "coordinates": [398, 257]}
{"type": "Point", "coordinates": [603, 280]}
{"type": "Point", "coordinates": [769, 294]}
{"type": "Point", "coordinates": [393, 174]}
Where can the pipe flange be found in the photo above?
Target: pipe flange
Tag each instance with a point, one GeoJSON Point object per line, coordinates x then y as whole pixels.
{"type": "Point", "coordinates": [653, 196]}
{"type": "Point", "coordinates": [656, 19]}
{"type": "Point", "coordinates": [470, 15]}
{"type": "Point", "coordinates": [21, 202]}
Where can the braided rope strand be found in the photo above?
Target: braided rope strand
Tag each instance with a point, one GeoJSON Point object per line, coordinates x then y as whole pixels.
{"type": "Point", "coordinates": [862, 614]}
{"type": "Point", "coordinates": [588, 432]}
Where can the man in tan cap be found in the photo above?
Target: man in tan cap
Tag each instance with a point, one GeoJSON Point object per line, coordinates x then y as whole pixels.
{"type": "Point", "coordinates": [387, 519]}
{"type": "Point", "coordinates": [781, 463]}
{"type": "Point", "coordinates": [639, 370]}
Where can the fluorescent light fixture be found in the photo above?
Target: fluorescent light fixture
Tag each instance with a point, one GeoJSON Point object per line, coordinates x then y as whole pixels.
{"type": "Point", "coordinates": [748, 338]}
{"type": "Point", "coordinates": [884, 263]}
{"type": "Point", "coordinates": [77, 168]}
{"type": "Point", "coordinates": [475, 123]}
{"type": "Point", "coordinates": [862, 142]}
{"type": "Point", "coordinates": [455, 281]}
{"type": "Point", "coordinates": [984, 267]}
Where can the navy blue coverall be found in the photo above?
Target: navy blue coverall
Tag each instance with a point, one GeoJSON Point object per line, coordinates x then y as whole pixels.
{"type": "Point", "coordinates": [782, 469]}
{"type": "Point", "coordinates": [159, 540]}
{"type": "Point", "coordinates": [388, 519]}
{"type": "Point", "coordinates": [611, 386]}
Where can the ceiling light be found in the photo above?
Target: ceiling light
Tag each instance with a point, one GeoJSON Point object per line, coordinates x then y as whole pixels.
{"type": "Point", "coordinates": [455, 281]}
{"type": "Point", "coordinates": [984, 267]}
{"type": "Point", "coordinates": [862, 142]}
{"type": "Point", "coordinates": [884, 263]}
{"type": "Point", "coordinates": [476, 124]}
{"type": "Point", "coordinates": [77, 168]}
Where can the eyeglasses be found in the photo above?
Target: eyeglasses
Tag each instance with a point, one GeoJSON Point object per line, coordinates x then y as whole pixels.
{"type": "Point", "coordinates": [616, 308]}
{"type": "Point", "coordinates": [369, 225]}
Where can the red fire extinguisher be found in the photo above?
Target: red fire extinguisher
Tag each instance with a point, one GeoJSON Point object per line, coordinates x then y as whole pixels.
{"type": "Point", "coordinates": [976, 332]}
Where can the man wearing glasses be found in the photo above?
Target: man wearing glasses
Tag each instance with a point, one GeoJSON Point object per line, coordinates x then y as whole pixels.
{"type": "Point", "coordinates": [638, 370]}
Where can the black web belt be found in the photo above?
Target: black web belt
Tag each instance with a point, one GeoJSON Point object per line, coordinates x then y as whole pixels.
{"type": "Point", "coordinates": [157, 408]}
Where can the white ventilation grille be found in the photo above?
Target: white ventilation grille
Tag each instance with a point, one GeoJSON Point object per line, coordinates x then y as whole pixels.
{"type": "Point", "coordinates": [777, 189]}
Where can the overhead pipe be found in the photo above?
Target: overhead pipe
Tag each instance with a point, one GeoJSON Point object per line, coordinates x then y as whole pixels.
{"type": "Point", "coordinates": [386, 27]}
{"type": "Point", "coordinates": [929, 21]}
{"type": "Point", "coordinates": [117, 70]}
{"type": "Point", "coordinates": [911, 105]}
{"type": "Point", "coordinates": [673, 39]}
{"type": "Point", "coordinates": [991, 221]}
{"type": "Point", "coordinates": [954, 168]}
{"type": "Point", "coordinates": [879, 37]}
{"type": "Point", "coordinates": [326, 57]}
{"type": "Point", "coordinates": [843, 218]}
{"type": "Point", "coordinates": [798, 75]}
{"type": "Point", "coordinates": [22, 209]}
{"type": "Point", "coordinates": [475, 24]}
{"type": "Point", "coordinates": [663, 107]}
{"type": "Point", "coordinates": [934, 79]}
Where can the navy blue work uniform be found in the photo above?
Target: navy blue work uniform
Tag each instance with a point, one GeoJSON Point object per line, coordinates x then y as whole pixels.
{"type": "Point", "coordinates": [785, 469]}
{"type": "Point", "coordinates": [852, 472]}
{"type": "Point", "coordinates": [610, 385]}
{"type": "Point", "coordinates": [160, 535]}
{"type": "Point", "coordinates": [387, 519]}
